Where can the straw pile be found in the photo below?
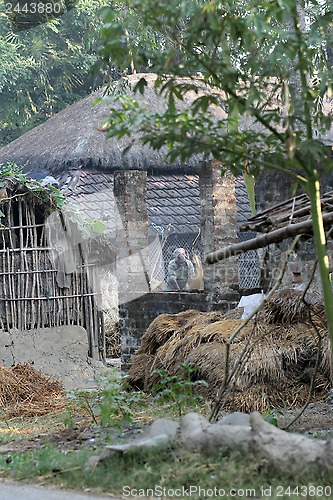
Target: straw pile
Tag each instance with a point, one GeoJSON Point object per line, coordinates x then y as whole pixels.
{"type": "Point", "coordinates": [112, 337]}
{"type": "Point", "coordinates": [273, 357]}
{"type": "Point", "coordinates": [26, 392]}
{"type": "Point", "coordinates": [287, 306]}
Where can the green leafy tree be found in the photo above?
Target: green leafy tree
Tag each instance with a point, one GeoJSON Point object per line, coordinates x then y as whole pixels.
{"type": "Point", "coordinates": [45, 68]}
{"type": "Point", "coordinates": [264, 63]}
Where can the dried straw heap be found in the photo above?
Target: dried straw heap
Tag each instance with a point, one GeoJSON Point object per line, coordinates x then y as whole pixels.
{"type": "Point", "coordinates": [278, 352]}
{"type": "Point", "coordinates": [26, 392]}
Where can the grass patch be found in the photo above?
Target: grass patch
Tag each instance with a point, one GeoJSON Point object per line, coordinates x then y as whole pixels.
{"type": "Point", "coordinates": [168, 468]}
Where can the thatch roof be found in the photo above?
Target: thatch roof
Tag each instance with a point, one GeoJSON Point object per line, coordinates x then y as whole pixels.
{"type": "Point", "coordinates": [73, 139]}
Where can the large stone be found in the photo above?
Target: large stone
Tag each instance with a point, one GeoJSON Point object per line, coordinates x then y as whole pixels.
{"type": "Point", "coordinates": [288, 452]}
{"type": "Point", "coordinates": [235, 418]}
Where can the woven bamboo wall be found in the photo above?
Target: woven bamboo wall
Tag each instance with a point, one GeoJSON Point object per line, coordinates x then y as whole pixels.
{"type": "Point", "coordinates": [30, 296]}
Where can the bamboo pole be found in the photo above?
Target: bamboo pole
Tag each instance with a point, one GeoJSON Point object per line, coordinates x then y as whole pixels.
{"type": "Point", "coordinates": [20, 289]}
{"type": "Point", "coordinates": [2, 302]}
{"type": "Point", "coordinates": [36, 256]}
{"type": "Point", "coordinates": [46, 279]}
{"type": "Point", "coordinates": [32, 264]}
{"type": "Point", "coordinates": [264, 240]}
{"type": "Point", "coordinates": [96, 287]}
{"type": "Point", "coordinates": [12, 244]}
{"type": "Point", "coordinates": [56, 297]}
{"type": "Point", "coordinates": [36, 248]}
{"type": "Point", "coordinates": [87, 307]}
{"type": "Point", "coordinates": [58, 311]}
{"type": "Point", "coordinates": [6, 293]}
{"type": "Point", "coordinates": [23, 226]}
{"type": "Point", "coordinates": [77, 300]}
{"type": "Point", "coordinates": [38, 271]}
{"type": "Point", "coordinates": [26, 267]}
{"type": "Point", "coordinates": [98, 333]}
{"type": "Point", "coordinates": [93, 321]}
{"type": "Point", "coordinates": [5, 321]}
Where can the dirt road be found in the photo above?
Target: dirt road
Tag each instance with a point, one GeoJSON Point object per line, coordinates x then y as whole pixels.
{"type": "Point", "coordinates": [13, 491]}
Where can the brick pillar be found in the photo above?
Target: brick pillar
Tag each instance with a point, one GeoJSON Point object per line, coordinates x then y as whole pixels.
{"type": "Point", "coordinates": [130, 187]}
{"type": "Point", "coordinates": [219, 229]}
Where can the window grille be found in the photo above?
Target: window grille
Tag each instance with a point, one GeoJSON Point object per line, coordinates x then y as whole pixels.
{"type": "Point", "coordinates": [248, 265]}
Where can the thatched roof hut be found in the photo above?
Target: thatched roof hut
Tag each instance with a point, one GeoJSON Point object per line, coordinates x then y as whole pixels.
{"type": "Point", "coordinates": [71, 147]}
{"type": "Point", "coordinates": [73, 139]}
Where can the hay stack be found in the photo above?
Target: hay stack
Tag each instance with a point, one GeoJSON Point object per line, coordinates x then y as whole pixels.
{"type": "Point", "coordinates": [140, 370]}
{"type": "Point", "coordinates": [210, 360]}
{"type": "Point", "coordinates": [274, 356]}
{"type": "Point", "coordinates": [287, 306]}
{"type": "Point", "coordinates": [165, 332]}
{"type": "Point", "coordinates": [25, 391]}
{"type": "Point", "coordinates": [176, 350]}
{"type": "Point", "coordinates": [112, 337]}
{"type": "Point", "coordinates": [170, 326]}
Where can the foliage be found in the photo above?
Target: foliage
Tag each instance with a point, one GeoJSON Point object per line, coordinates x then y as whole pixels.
{"type": "Point", "coordinates": [263, 65]}
{"type": "Point", "coordinates": [111, 404]}
{"type": "Point", "coordinates": [86, 227]}
{"type": "Point", "coordinates": [52, 65]}
{"type": "Point", "coordinates": [46, 68]}
{"type": "Point", "coordinates": [50, 194]}
{"type": "Point", "coordinates": [243, 51]}
{"type": "Point", "coordinates": [179, 389]}
{"type": "Point", "coordinates": [53, 198]}
{"type": "Point", "coordinates": [271, 416]}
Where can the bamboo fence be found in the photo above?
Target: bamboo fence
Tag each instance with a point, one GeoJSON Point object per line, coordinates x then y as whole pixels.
{"type": "Point", "coordinates": [30, 296]}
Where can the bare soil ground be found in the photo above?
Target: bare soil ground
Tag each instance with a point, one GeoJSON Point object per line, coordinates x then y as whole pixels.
{"type": "Point", "coordinates": [315, 421]}
{"type": "Point", "coordinates": [71, 439]}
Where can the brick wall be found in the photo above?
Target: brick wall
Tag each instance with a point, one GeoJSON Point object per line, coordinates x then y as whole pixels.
{"type": "Point", "coordinates": [130, 189]}
{"type": "Point", "coordinates": [218, 228]}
